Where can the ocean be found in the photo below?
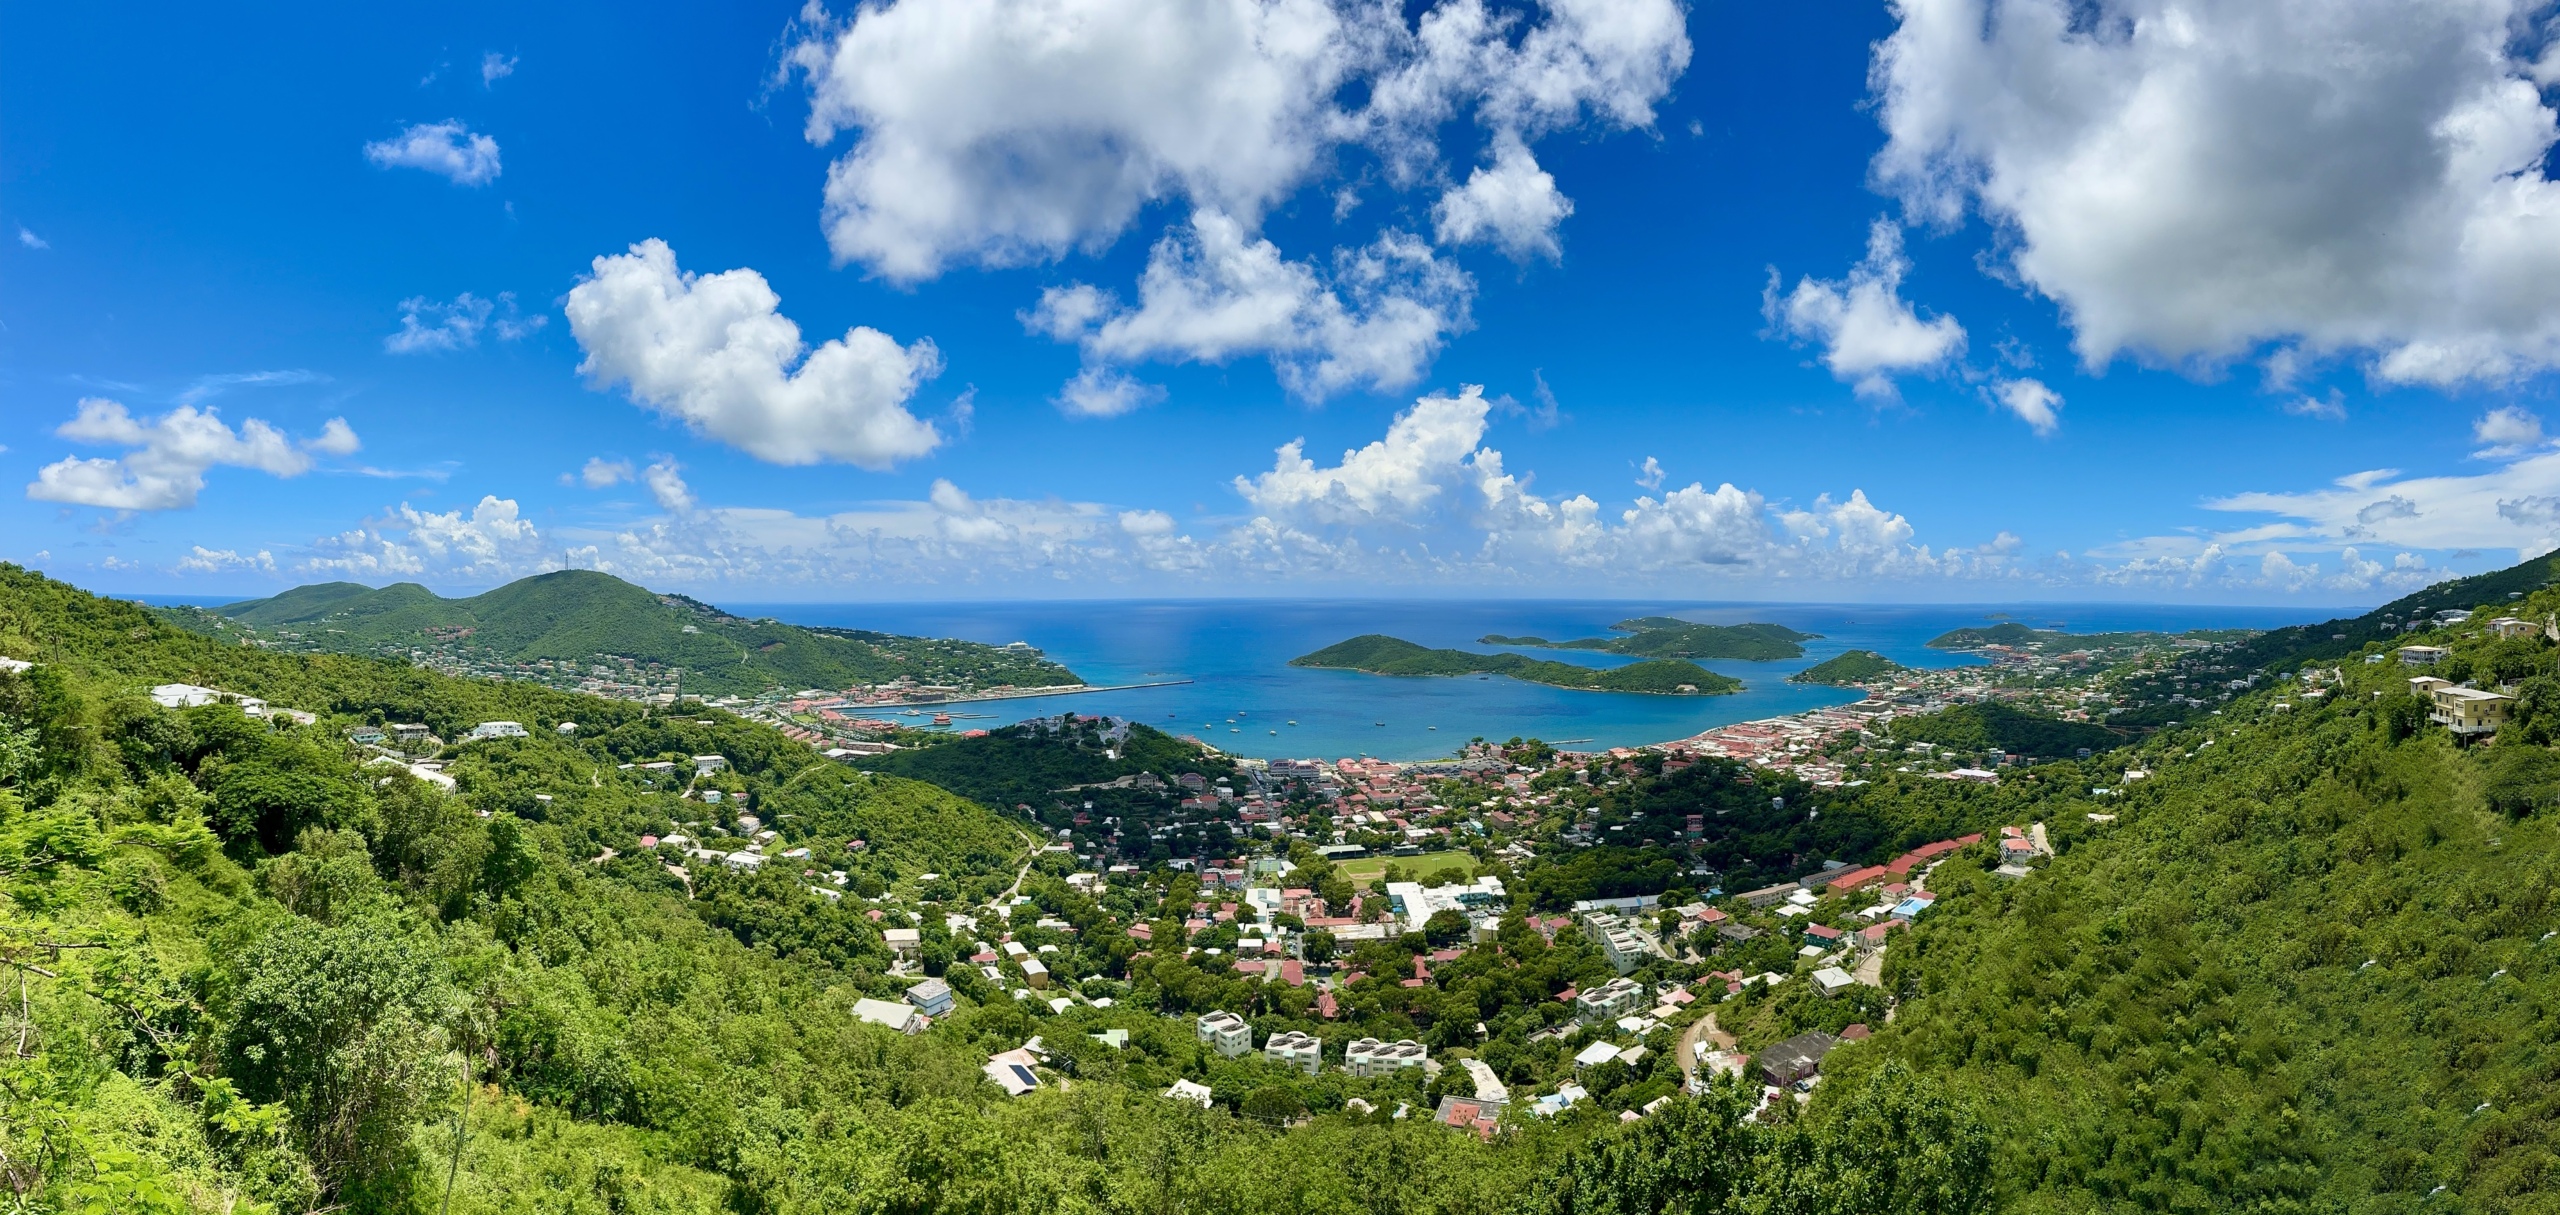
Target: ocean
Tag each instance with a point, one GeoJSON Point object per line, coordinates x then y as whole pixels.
{"type": "Point", "coordinates": [1244, 697]}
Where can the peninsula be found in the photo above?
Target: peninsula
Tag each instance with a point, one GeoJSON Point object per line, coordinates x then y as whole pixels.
{"type": "Point", "coordinates": [1378, 654]}
{"type": "Point", "coordinates": [1856, 666]}
{"type": "Point", "coordinates": [1665, 637]}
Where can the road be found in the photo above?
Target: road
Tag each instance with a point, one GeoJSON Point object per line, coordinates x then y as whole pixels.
{"type": "Point", "coordinates": [1703, 1028]}
{"type": "Point", "coordinates": [1021, 875]}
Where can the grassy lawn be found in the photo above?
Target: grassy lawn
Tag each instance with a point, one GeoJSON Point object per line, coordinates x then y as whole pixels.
{"type": "Point", "coordinates": [1366, 868]}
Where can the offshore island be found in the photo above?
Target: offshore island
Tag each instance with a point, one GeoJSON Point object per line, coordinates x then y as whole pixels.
{"type": "Point", "coordinates": [1379, 654]}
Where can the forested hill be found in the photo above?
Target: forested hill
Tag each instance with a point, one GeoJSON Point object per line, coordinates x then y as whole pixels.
{"type": "Point", "coordinates": [573, 617]}
{"type": "Point", "coordinates": [2334, 639]}
{"type": "Point", "coordinates": [1670, 637]}
{"type": "Point", "coordinates": [1379, 654]}
{"type": "Point", "coordinates": [2298, 956]}
{"type": "Point", "coordinates": [261, 973]}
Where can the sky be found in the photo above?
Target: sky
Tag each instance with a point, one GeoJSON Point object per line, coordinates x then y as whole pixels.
{"type": "Point", "coordinates": [2247, 301]}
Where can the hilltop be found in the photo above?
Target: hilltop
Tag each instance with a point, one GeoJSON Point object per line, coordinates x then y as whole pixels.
{"type": "Point", "coordinates": [1378, 654]}
{"type": "Point", "coordinates": [1856, 666]}
{"type": "Point", "coordinates": [555, 628]}
{"type": "Point", "coordinates": [1667, 637]}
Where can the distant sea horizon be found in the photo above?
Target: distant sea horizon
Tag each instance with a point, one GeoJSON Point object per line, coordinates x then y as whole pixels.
{"type": "Point", "coordinates": [1244, 697]}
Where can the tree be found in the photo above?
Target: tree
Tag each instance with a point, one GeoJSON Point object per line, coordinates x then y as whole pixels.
{"type": "Point", "coordinates": [338, 1022]}
{"type": "Point", "coordinates": [1318, 946]}
{"type": "Point", "coordinates": [1445, 928]}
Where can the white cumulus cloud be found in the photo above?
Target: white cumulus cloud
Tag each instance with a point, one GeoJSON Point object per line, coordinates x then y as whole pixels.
{"type": "Point", "coordinates": [1011, 131]}
{"type": "Point", "coordinates": [666, 485]}
{"type": "Point", "coordinates": [1868, 332]}
{"type": "Point", "coordinates": [169, 456]}
{"type": "Point", "coordinates": [447, 149]}
{"type": "Point", "coordinates": [2036, 405]}
{"type": "Point", "coordinates": [2208, 179]}
{"type": "Point", "coordinates": [1511, 204]}
{"type": "Point", "coordinates": [715, 351]}
{"type": "Point", "coordinates": [202, 560]}
{"type": "Point", "coordinates": [2505, 431]}
{"type": "Point", "coordinates": [1214, 292]}
{"type": "Point", "coordinates": [600, 473]}
{"type": "Point", "coordinates": [492, 542]}
{"type": "Point", "coordinates": [1100, 392]}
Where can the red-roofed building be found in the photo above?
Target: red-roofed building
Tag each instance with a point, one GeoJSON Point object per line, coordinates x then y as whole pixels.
{"type": "Point", "coordinates": [1294, 973]}
{"type": "Point", "coordinates": [1822, 932]}
{"type": "Point", "coordinates": [1326, 1007]}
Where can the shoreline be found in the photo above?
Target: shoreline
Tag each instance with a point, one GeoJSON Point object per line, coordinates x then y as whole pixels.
{"type": "Point", "coordinates": [991, 698]}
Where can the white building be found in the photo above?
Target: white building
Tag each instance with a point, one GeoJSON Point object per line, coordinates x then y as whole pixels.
{"type": "Point", "coordinates": [496, 729]}
{"type": "Point", "coordinates": [1594, 1055]}
{"type": "Point", "coordinates": [1609, 1001]}
{"type": "Point", "coordinates": [901, 1017]}
{"type": "Point", "coordinates": [904, 942]}
{"type": "Point", "coordinates": [1226, 1033]}
{"type": "Point", "coordinates": [1831, 981]}
{"type": "Point", "coordinates": [705, 765]}
{"type": "Point", "coordinates": [1191, 1091]}
{"type": "Point", "coordinates": [1370, 1057]}
{"type": "Point", "coordinates": [188, 696]}
{"type": "Point", "coordinates": [1292, 1048]}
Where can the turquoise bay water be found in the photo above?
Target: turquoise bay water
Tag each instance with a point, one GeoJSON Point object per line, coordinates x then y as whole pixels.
{"type": "Point", "coordinates": [1236, 653]}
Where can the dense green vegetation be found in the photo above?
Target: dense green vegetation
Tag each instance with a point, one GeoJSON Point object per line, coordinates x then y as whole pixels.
{"type": "Point", "coordinates": [257, 975]}
{"type": "Point", "coordinates": [2305, 964]}
{"type": "Point", "coordinates": [1856, 666]}
{"type": "Point", "coordinates": [1378, 654]}
{"type": "Point", "coordinates": [1029, 764]}
{"type": "Point", "coordinates": [1977, 728]}
{"type": "Point", "coordinates": [573, 616]}
{"type": "Point", "coordinates": [2335, 639]}
{"type": "Point", "coordinates": [1667, 637]}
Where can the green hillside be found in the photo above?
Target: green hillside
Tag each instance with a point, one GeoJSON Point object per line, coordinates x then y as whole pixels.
{"type": "Point", "coordinates": [1378, 654]}
{"type": "Point", "coordinates": [572, 617]}
{"type": "Point", "coordinates": [2309, 965]}
{"type": "Point", "coordinates": [257, 975]}
{"type": "Point", "coordinates": [2497, 591]}
{"type": "Point", "coordinates": [1976, 728]}
{"type": "Point", "coordinates": [1666, 637]}
{"type": "Point", "coordinates": [1856, 666]}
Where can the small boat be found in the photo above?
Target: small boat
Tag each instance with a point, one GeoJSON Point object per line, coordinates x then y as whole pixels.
{"type": "Point", "coordinates": [1430, 727]}
{"type": "Point", "coordinates": [1275, 731]}
{"type": "Point", "coordinates": [1382, 723]}
{"type": "Point", "coordinates": [942, 719]}
{"type": "Point", "coordinates": [913, 713]}
{"type": "Point", "coordinates": [1293, 721]}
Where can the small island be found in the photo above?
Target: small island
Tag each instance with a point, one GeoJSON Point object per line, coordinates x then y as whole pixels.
{"type": "Point", "coordinates": [1378, 654]}
{"type": "Point", "coordinates": [1666, 637]}
{"type": "Point", "coordinates": [1854, 667]}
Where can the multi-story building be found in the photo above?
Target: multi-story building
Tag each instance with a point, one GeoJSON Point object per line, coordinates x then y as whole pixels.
{"type": "Point", "coordinates": [1370, 1057]}
{"type": "Point", "coordinates": [1292, 1048]}
{"type": "Point", "coordinates": [1226, 1033]}
{"type": "Point", "coordinates": [1611, 1000]}
{"type": "Point", "coordinates": [2465, 711]}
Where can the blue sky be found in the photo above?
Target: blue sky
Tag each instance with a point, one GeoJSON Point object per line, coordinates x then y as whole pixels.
{"type": "Point", "coordinates": [1820, 301]}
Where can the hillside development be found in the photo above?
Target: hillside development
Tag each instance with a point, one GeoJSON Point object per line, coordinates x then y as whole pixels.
{"type": "Point", "coordinates": [285, 947]}
{"type": "Point", "coordinates": [587, 631]}
{"type": "Point", "coordinates": [1378, 654]}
